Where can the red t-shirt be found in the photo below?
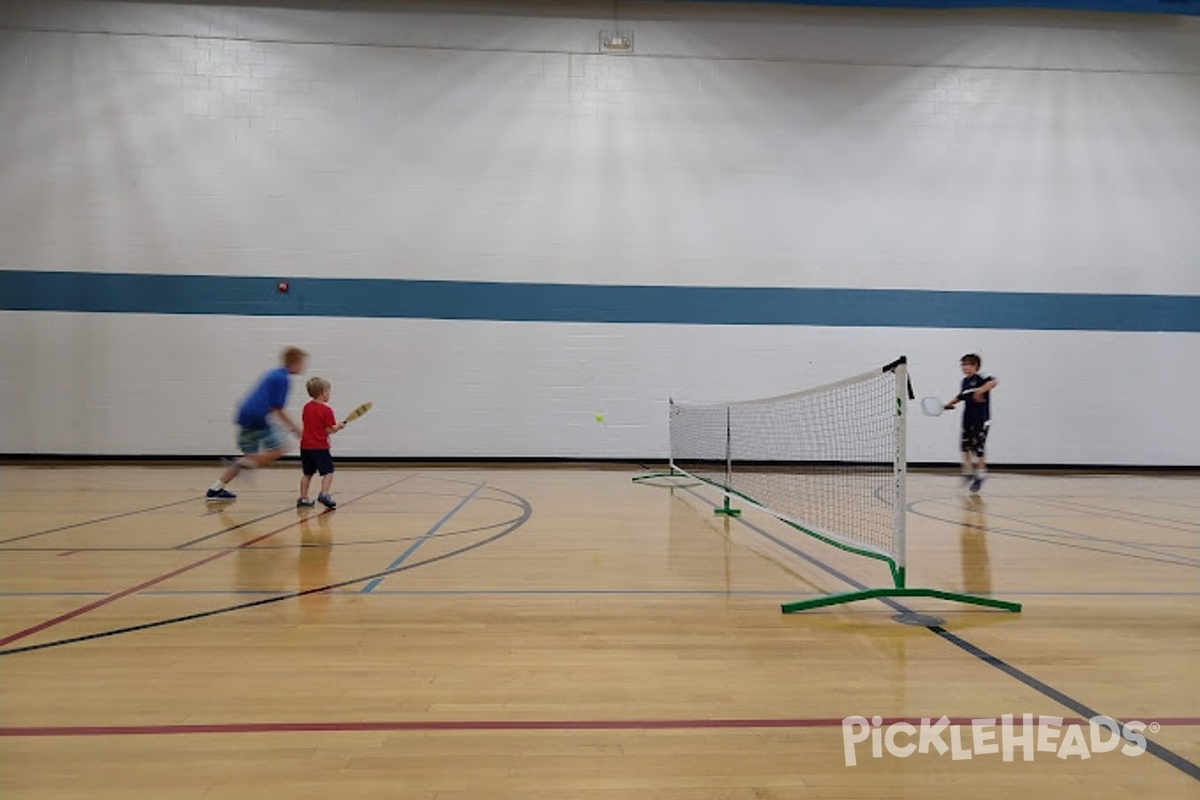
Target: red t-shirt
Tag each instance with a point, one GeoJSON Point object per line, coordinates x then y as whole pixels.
{"type": "Point", "coordinates": [317, 418]}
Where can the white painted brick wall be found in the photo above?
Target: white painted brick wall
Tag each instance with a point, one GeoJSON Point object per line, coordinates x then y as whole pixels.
{"type": "Point", "coordinates": [991, 151]}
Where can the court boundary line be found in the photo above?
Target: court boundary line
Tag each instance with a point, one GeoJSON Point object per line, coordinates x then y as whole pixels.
{"type": "Point", "coordinates": [351, 726]}
{"type": "Point", "coordinates": [1160, 752]}
{"type": "Point", "coordinates": [230, 529]}
{"type": "Point", "coordinates": [516, 525]}
{"type": "Point", "coordinates": [112, 598]}
{"type": "Point", "coordinates": [282, 546]}
{"type": "Point", "coordinates": [423, 538]}
{"type": "Point", "coordinates": [1103, 512]}
{"type": "Point", "coordinates": [98, 520]}
{"type": "Point", "coordinates": [585, 592]}
{"type": "Point", "coordinates": [1059, 537]}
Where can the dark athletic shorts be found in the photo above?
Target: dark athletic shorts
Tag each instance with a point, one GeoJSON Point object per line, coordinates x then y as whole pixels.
{"type": "Point", "coordinates": [974, 438]}
{"type": "Point", "coordinates": [312, 461]}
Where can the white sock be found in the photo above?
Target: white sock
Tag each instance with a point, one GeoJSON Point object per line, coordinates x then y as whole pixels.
{"type": "Point", "coordinates": [218, 486]}
{"type": "Point", "coordinates": [981, 474]}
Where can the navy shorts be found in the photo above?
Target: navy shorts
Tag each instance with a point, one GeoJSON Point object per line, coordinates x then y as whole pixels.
{"type": "Point", "coordinates": [313, 461]}
{"type": "Point", "coordinates": [974, 439]}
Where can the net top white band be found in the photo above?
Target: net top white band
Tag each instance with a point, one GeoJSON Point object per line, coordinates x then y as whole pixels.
{"type": "Point", "coordinates": [816, 390]}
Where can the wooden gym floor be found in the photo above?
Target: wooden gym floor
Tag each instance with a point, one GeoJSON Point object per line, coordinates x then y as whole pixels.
{"type": "Point", "coordinates": [563, 632]}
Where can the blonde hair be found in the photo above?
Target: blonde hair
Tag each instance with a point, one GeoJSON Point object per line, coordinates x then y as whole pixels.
{"type": "Point", "coordinates": [292, 356]}
{"type": "Point", "coordinates": [317, 386]}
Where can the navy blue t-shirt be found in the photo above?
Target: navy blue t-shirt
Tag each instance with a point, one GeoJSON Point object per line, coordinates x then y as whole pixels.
{"type": "Point", "coordinates": [975, 413]}
{"type": "Point", "coordinates": [270, 393]}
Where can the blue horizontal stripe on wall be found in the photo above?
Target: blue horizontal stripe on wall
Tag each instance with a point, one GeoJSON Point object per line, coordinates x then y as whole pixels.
{"type": "Point", "coordinates": [125, 293]}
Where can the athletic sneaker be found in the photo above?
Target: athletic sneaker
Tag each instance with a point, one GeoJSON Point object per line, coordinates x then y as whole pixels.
{"type": "Point", "coordinates": [220, 494]}
{"type": "Point", "coordinates": [326, 501]}
{"type": "Point", "coordinates": [304, 502]}
{"type": "Point", "coordinates": [976, 484]}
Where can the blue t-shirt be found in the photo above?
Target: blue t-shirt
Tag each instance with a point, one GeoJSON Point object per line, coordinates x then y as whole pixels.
{"type": "Point", "coordinates": [270, 393]}
{"type": "Point", "coordinates": [975, 413]}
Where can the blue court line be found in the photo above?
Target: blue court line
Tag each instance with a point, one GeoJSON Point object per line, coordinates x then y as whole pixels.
{"type": "Point", "coordinates": [140, 293]}
{"type": "Point", "coordinates": [370, 587]}
{"type": "Point", "coordinates": [1189, 768]}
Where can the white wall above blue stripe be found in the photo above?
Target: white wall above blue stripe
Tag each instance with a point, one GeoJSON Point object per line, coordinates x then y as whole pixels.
{"type": "Point", "coordinates": [736, 147]}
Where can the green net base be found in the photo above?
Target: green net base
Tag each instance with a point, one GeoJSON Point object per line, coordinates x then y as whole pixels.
{"type": "Point", "coordinates": [898, 572]}
{"type": "Point", "coordinates": [873, 594]}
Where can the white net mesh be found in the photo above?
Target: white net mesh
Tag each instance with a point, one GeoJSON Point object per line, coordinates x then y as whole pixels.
{"type": "Point", "coordinates": [829, 460]}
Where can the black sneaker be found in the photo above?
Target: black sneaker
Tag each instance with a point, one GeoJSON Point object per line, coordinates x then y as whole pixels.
{"type": "Point", "coordinates": [304, 502]}
{"type": "Point", "coordinates": [220, 495]}
{"type": "Point", "coordinates": [327, 501]}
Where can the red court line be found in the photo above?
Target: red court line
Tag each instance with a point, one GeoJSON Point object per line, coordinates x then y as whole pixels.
{"type": "Point", "coordinates": [501, 725]}
{"type": "Point", "coordinates": [50, 623]}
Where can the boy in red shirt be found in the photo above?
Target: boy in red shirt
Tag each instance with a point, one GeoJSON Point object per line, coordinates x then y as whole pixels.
{"type": "Point", "coordinates": [319, 422]}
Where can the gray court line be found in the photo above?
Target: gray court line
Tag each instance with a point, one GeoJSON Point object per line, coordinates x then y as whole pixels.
{"type": "Point", "coordinates": [263, 601]}
{"type": "Point", "coordinates": [1189, 768]}
{"type": "Point", "coordinates": [97, 521]}
{"type": "Point", "coordinates": [230, 529]}
{"type": "Point", "coordinates": [1179, 525]}
{"type": "Point", "coordinates": [1052, 536]}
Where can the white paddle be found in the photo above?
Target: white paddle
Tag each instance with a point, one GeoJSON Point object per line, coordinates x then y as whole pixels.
{"type": "Point", "coordinates": [933, 406]}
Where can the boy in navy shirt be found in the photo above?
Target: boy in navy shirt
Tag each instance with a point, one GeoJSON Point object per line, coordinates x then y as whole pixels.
{"type": "Point", "coordinates": [977, 415]}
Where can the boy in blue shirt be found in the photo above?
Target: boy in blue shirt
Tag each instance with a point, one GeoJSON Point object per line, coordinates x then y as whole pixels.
{"type": "Point", "coordinates": [977, 416]}
{"type": "Point", "coordinates": [260, 441]}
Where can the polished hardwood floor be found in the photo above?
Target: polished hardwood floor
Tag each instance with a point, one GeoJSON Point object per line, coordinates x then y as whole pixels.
{"type": "Point", "coordinates": [563, 632]}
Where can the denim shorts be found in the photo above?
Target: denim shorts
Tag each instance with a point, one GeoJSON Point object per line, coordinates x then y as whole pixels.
{"type": "Point", "coordinates": [251, 441]}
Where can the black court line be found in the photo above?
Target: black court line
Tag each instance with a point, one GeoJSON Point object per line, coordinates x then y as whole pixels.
{"type": "Point", "coordinates": [99, 520]}
{"type": "Point", "coordinates": [131, 590]}
{"type": "Point", "coordinates": [231, 528]}
{"type": "Point", "coordinates": [340, 543]}
{"type": "Point", "coordinates": [1180, 763]}
{"type": "Point", "coordinates": [441, 534]}
{"type": "Point", "coordinates": [524, 504]}
{"type": "Point", "coordinates": [1189, 768]}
